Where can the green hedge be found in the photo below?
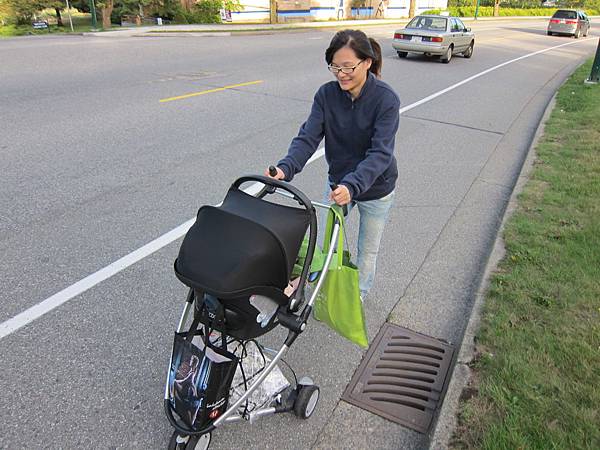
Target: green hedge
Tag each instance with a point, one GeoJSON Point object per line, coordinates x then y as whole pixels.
{"type": "Point", "coordinates": [488, 11]}
{"type": "Point", "coordinates": [529, 4]}
{"type": "Point", "coordinates": [206, 11]}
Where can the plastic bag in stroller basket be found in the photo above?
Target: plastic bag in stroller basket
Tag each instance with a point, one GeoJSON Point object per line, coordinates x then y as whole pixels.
{"type": "Point", "coordinates": [199, 381]}
{"type": "Point", "coordinates": [252, 362]}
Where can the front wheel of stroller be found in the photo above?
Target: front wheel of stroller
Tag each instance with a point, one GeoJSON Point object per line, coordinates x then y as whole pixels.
{"type": "Point", "coordinates": [307, 399]}
{"type": "Point", "coordinates": [179, 442]}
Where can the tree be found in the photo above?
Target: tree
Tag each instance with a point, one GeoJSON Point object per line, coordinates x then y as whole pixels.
{"type": "Point", "coordinates": [159, 8]}
{"type": "Point", "coordinates": [7, 14]}
{"type": "Point", "coordinates": [187, 4]}
{"type": "Point", "coordinates": [57, 5]}
{"type": "Point", "coordinates": [106, 8]}
{"type": "Point", "coordinates": [24, 10]}
{"type": "Point", "coordinates": [412, 8]}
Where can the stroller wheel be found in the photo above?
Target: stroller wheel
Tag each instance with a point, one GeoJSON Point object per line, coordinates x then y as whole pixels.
{"type": "Point", "coordinates": [307, 399]}
{"type": "Point", "coordinates": [179, 442]}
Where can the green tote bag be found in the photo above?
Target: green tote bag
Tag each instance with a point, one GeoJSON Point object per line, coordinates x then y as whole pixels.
{"type": "Point", "coordinates": [338, 303]}
{"type": "Point", "coordinates": [317, 261]}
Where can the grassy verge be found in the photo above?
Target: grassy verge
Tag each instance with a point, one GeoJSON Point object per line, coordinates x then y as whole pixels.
{"type": "Point", "coordinates": [537, 374]}
{"type": "Point", "coordinates": [25, 30]}
{"type": "Point", "coordinates": [81, 23]}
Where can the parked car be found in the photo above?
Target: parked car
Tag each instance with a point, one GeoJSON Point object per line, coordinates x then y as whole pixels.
{"type": "Point", "coordinates": [571, 22]}
{"type": "Point", "coordinates": [434, 35]}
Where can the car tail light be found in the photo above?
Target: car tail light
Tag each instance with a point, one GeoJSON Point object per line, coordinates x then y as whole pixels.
{"type": "Point", "coordinates": [554, 21]}
{"type": "Point", "coordinates": [572, 22]}
{"type": "Point", "coordinates": [432, 39]}
{"type": "Point", "coordinates": [402, 36]}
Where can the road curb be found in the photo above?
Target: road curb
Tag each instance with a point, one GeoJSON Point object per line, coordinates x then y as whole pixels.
{"type": "Point", "coordinates": [461, 374]}
{"type": "Point", "coordinates": [245, 28]}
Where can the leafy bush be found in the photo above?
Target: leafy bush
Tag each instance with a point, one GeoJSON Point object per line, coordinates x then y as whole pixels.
{"type": "Point", "coordinates": [205, 11]}
{"type": "Point", "coordinates": [7, 15]}
{"type": "Point", "coordinates": [488, 11]}
{"type": "Point", "coordinates": [529, 4]}
{"type": "Point", "coordinates": [208, 11]}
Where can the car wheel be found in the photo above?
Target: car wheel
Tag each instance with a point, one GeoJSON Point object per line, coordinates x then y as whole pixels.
{"type": "Point", "coordinates": [577, 33]}
{"type": "Point", "coordinates": [448, 56]}
{"type": "Point", "coordinates": [469, 51]}
{"type": "Point", "coordinates": [550, 33]}
{"type": "Point", "coordinates": [402, 54]}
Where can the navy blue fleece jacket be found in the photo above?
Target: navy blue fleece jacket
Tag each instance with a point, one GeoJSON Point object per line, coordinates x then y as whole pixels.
{"type": "Point", "coordinates": [359, 138]}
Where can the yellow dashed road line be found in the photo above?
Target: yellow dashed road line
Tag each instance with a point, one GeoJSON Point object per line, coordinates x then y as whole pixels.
{"type": "Point", "coordinates": [195, 94]}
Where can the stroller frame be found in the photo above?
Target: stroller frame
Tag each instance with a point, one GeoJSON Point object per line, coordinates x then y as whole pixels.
{"type": "Point", "coordinates": [288, 316]}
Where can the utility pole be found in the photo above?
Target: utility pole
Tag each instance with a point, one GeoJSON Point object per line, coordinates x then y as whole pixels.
{"type": "Point", "coordinates": [477, 10]}
{"type": "Point", "coordinates": [273, 11]}
{"type": "Point", "coordinates": [595, 74]}
{"type": "Point", "coordinates": [93, 11]}
{"type": "Point", "coordinates": [69, 13]}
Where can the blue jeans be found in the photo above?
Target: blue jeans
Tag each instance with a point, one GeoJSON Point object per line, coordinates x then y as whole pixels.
{"type": "Point", "coordinates": [373, 215]}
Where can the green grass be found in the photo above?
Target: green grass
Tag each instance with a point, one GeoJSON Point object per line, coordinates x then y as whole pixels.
{"type": "Point", "coordinates": [81, 23]}
{"type": "Point", "coordinates": [537, 374]}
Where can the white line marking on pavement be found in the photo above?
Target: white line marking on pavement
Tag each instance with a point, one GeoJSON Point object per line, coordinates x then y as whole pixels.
{"type": "Point", "coordinates": [480, 74]}
{"type": "Point", "coordinates": [29, 315]}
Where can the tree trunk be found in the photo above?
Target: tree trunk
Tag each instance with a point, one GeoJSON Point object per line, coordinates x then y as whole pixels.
{"type": "Point", "coordinates": [412, 8]}
{"type": "Point", "coordinates": [347, 9]}
{"type": "Point", "coordinates": [106, 12]}
{"type": "Point", "coordinates": [496, 8]}
{"type": "Point", "coordinates": [59, 21]}
{"type": "Point", "coordinates": [187, 4]}
{"type": "Point", "coordinates": [272, 11]}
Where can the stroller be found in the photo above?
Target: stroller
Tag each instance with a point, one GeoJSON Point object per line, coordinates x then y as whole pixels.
{"type": "Point", "coordinates": [237, 260]}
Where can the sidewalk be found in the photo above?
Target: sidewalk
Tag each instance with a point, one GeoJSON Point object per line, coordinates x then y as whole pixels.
{"type": "Point", "coordinates": [227, 28]}
{"type": "Point", "coordinates": [224, 28]}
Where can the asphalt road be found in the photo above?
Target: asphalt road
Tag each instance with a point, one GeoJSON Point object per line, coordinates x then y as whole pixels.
{"type": "Point", "coordinates": [95, 166]}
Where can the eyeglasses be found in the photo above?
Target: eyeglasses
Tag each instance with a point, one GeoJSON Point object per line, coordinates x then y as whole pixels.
{"type": "Point", "coordinates": [335, 69]}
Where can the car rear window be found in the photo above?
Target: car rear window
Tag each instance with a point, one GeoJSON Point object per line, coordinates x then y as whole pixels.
{"type": "Point", "coordinates": [562, 14]}
{"type": "Point", "coordinates": [428, 23]}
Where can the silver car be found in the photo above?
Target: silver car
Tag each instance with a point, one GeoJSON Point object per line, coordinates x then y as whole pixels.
{"type": "Point", "coordinates": [434, 35]}
{"type": "Point", "coordinates": [569, 21]}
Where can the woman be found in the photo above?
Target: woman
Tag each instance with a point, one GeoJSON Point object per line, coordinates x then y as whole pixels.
{"type": "Point", "coordinates": [358, 116]}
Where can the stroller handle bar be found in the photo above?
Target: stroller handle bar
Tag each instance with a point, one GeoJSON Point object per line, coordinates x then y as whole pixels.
{"type": "Point", "coordinates": [271, 184]}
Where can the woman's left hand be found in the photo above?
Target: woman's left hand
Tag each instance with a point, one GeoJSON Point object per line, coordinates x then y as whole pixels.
{"type": "Point", "coordinates": [341, 195]}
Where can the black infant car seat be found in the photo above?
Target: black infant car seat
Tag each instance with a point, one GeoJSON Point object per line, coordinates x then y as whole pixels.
{"type": "Point", "coordinates": [245, 247]}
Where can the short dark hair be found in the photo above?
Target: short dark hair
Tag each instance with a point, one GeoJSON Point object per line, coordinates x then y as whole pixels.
{"type": "Point", "coordinates": [363, 46]}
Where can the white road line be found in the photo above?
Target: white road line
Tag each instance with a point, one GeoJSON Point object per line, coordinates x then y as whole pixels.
{"type": "Point", "coordinates": [29, 315]}
{"type": "Point", "coordinates": [480, 74]}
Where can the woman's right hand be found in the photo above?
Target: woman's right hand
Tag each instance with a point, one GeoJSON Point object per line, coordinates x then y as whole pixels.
{"type": "Point", "coordinates": [278, 176]}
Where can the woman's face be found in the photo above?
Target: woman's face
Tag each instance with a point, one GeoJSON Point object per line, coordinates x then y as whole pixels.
{"type": "Point", "coordinates": [354, 81]}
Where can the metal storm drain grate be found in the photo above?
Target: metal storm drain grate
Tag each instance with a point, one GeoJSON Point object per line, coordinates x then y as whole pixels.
{"type": "Point", "coordinates": [402, 377]}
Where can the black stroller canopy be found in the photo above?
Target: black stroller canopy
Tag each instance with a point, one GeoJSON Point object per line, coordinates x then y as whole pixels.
{"type": "Point", "coordinates": [243, 244]}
